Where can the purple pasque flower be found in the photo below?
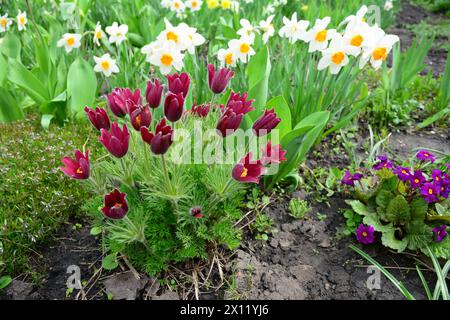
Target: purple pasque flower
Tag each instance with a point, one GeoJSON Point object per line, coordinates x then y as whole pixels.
{"type": "Point", "coordinates": [349, 179]}
{"type": "Point", "coordinates": [430, 192]}
{"type": "Point", "coordinates": [437, 176]}
{"type": "Point", "coordinates": [440, 233]}
{"type": "Point", "coordinates": [365, 234]}
{"type": "Point", "coordinates": [425, 155]}
{"type": "Point", "coordinates": [383, 162]}
{"type": "Point", "coordinates": [417, 179]}
{"type": "Point", "coordinates": [403, 173]}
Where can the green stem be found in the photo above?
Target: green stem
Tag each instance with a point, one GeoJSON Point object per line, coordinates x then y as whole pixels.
{"type": "Point", "coordinates": [166, 173]}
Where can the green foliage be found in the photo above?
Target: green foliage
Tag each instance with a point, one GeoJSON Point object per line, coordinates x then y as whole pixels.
{"type": "Point", "coordinates": [399, 212]}
{"type": "Point", "coordinates": [298, 208]}
{"type": "Point", "coordinates": [352, 221]}
{"type": "Point", "coordinates": [36, 197]}
{"type": "Point", "coordinates": [5, 281]}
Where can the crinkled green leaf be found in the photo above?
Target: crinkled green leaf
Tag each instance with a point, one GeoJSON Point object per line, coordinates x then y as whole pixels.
{"type": "Point", "coordinates": [398, 210]}
{"type": "Point", "coordinates": [389, 240]}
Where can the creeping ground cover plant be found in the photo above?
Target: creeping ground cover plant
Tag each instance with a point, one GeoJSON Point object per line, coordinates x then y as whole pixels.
{"type": "Point", "coordinates": [170, 179]}
{"type": "Point", "coordinates": [406, 205]}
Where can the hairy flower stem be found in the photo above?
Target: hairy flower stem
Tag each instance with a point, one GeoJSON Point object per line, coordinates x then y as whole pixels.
{"type": "Point", "coordinates": [166, 173]}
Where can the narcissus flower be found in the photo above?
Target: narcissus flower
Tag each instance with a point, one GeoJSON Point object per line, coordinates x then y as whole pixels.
{"type": "Point", "coordinates": [212, 4]}
{"type": "Point", "coordinates": [98, 34]}
{"type": "Point", "coordinates": [417, 179]}
{"type": "Point", "coordinates": [440, 233]}
{"type": "Point", "coordinates": [377, 48]}
{"type": "Point", "coordinates": [403, 173]}
{"type": "Point", "coordinates": [218, 80]}
{"type": "Point", "coordinates": [160, 141]}
{"type": "Point", "coordinates": [246, 28]}
{"type": "Point", "coordinates": [179, 83]}
{"type": "Point", "coordinates": [318, 36]}
{"type": "Point", "coordinates": [177, 5]}
{"type": "Point", "coordinates": [22, 20]}
{"type": "Point", "coordinates": [98, 117]}
{"type": "Point", "coordinates": [273, 154]}
{"type": "Point", "coordinates": [116, 141]}
{"type": "Point", "coordinates": [196, 212]}
{"type": "Point", "coordinates": [430, 192]}
{"type": "Point", "coordinates": [115, 205]}
{"type": "Point", "coordinates": [336, 55]}
{"type": "Point", "coordinates": [425, 155]}
{"type": "Point", "coordinates": [365, 234]}
{"type": "Point", "coordinates": [248, 170]}
{"type": "Point", "coordinates": [174, 106]}
{"type": "Point", "coordinates": [194, 5]}
{"type": "Point", "coordinates": [294, 30]}
{"type": "Point", "coordinates": [227, 57]}
{"type": "Point", "coordinates": [266, 26]}
{"type": "Point", "coordinates": [120, 98]}
{"type": "Point", "coordinates": [106, 65]}
{"type": "Point", "coordinates": [266, 123]}
{"type": "Point", "coordinates": [167, 57]}
{"type": "Point", "coordinates": [383, 162]}
{"type": "Point", "coordinates": [153, 93]}
{"type": "Point", "coordinates": [78, 168]}
{"type": "Point", "coordinates": [5, 23]}
{"type": "Point", "coordinates": [349, 179]}
{"type": "Point", "coordinates": [141, 117]}
{"type": "Point", "coordinates": [70, 41]}
{"type": "Point", "coordinates": [242, 47]}
{"type": "Point", "coordinates": [117, 34]}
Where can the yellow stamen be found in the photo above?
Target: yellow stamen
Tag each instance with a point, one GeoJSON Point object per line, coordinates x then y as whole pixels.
{"type": "Point", "coordinates": [416, 180]}
{"type": "Point", "coordinates": [71, 41]}
{"type": "Point", "coordinates": [244, 172]}
{"type": "Point", "coordinates": [79, 171]}
{"type": "Point", "coordinates": [139, 120]}
{"type": "Point", "coordinates": [245, 48]}
{"type": "Point", "coordinates": [357, 41]}
{"type": "Point", "coordinates": [229, 58]}
{"type": "Point", "coordinates": [118, 205]}
{"type": "Point", "coordinates": [338, 57]}
{"type": "Point", "coordinates": [105, 65]}
{"type": "Point", "coordinates": [166, 59]}
{"type": "Point", "coordinates": [22, 20]}
{"type": "Point", "coordinates": [364, 234]}
{"type": "Point", "coordinates": [430, 191]}
{"type": "Point", "coordinates": [321, 36]}
{"type": "Point", "coordinates": [380, 54]}
{"type": "Point", "coordinates": [172, 36]}
{"type": "Point", "coordinates": [98, 35]}
{"type": "Point", "coordinates": [3, 22]}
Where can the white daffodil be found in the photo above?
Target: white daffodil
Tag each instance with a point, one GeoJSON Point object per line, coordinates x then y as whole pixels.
{"type": "Point", "coordinates": [69, 41]}
{"type": "Point", "coordinates": [194, 5]}
{"type": "Point", "coordinates": [22, 20]}
{"type": "Point", "coordinates": [167, 57]}
{"type": "Point", "coordinates": [318, 36]}
{"type": "Point", "coordinates": [388, 5]}
{"type": "Point", "coordinates": [98, 34]}
{"type": "Point", "coordinates": [177, 35]}
{"type": "Point", "coordinates": [193, 39]}
{"type": "Point", "coordinates": [294, 30]}
{"type": "Point", "coordinates": [378, 47]}
{"type": "Point", "coordinates": [166, 3]}
{"type": "Point", "coordinates": [177, 5]}
{"type": "Point", "coordinates": [106, 65]}
{"type": "Point", "coordinates": [117, 34]}
{"type": "Point", "coordinates": [356, 19]}
{"type": "Point", "coordinates": [246, 28]}
{"type": "Point", "coordinates": [5, 23]}
{"type": "Point", "coordinates": [267, 28]}
{"type": "Point", "coordinates": [151, 49]}
{"type": "Point", "coordinates": [242, 47]}
{"type": "Point", "coordinates": [357, 35]}
{"type": "Point", "coordinates": [336, 55]}
{"type": "Point", "coordinates": [227, 58]}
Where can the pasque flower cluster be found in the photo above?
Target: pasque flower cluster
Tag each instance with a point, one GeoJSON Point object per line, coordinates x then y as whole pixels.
{"type": "Point", "coordinates": [157, 135]}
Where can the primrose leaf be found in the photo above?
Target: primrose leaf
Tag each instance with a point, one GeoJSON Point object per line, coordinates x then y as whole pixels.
{"type": "Point", "coordinates": [419, 208]}
{"type": "Point", "coordinates": [383, 198]}
{"type": "Point", "coordinates": [359, 207]}
{"type": "Point", "coordinates": [110, 262]}
{"type": "Point", "coordinates": [419, 235]}
{"type": "Point", "coordinates": [389, 240]}
{"type": "Point", "coordinates": [398, 210]}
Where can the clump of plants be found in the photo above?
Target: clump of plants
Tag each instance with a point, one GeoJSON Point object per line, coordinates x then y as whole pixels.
{"type": "Point", "coordinates": [406, 206]}
{"type": "Point", "coordinates": [169, 187]}
{"type": "Point", "coordinates": [35, 200]}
